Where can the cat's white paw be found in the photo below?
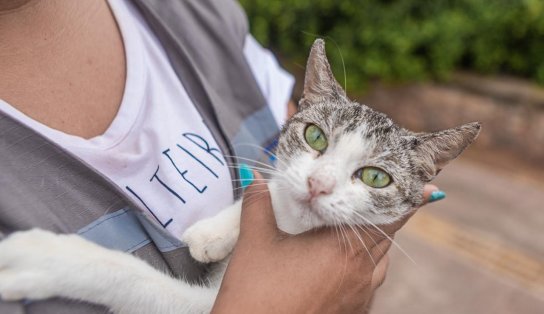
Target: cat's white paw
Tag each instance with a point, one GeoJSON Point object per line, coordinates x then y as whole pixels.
{"type": "Point", "coordinates": [210, 242]}
{"type": "Point", "coordinates": [35, 264]}
{"type": "Point", "coordinates": [16, 286]}
{"type": "Point", "coordinates": [18, 279]}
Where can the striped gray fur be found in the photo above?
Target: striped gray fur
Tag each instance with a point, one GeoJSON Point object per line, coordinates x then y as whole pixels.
{"type": "Point", "coordinates": [411, 159]}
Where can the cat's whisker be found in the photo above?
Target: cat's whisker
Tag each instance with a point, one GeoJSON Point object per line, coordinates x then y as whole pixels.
{"type": "Point", "coordinates": [269, 177]}
{"type": "Point", "coordinates": [251, 160]}
{"type": "Point", "coordinates": [252, 180]}
{"type": "Point", "coordinates": [352, 222]}
{"type": "Point", "coordinates": [247, 194]}
{"type": "Point", "coordinates": [254, 184]}
{"type": "Point", "coordinates": [336, 231]}
{"type": "Point", "coordinates": [344, 271]}
{"type": "Point", "coordinates": [251, 195]}
{"type": "Point", "coordinates": [251, 199]}
{"type": "Point", "coordinates": [363, 243]}
{"type": "Point", "coordinates": [254, 197]}
{"type": "Point", "coordinates": [372, 231]}
{"type": "Point", "coordinates": [335, 224]}
{"type": "Point", "coordinates": [263, 183]}
{"type": "Point", "coordinates": [387, 236]}
{"type": "Point", "coordinates": [338, 224]}
{"type": "Point", "coordinates": [366, 231]}
{"type": "Point", "coordinates": [338, 47]}
{"type": "Point", "coordinates": [343, 63]}
{"type": "Point", "coordinates": [342, 234]}
{"type": "Point", "coordinates": [290, 175]}
{"type": "Point", "coordinates": [262, 170]}
{"type": "Point", "coordinates": [266, 151]}
{"type": "Point", "coordinates": [243, 188]}
{"type": "Point", "coordinates": [249, 181]}
{"type": "Point", "coordinates": [342, 226]}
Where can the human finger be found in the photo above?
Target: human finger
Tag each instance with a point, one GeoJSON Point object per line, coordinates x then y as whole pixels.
{"type": "Point", "coordinates": [431, 193]}
{"type": "Point", "coordinates": [381, 248]}
{"type": "Point", "coordinates": [378, 276]}
{"type": "Point", "coordinates": [257, 216]}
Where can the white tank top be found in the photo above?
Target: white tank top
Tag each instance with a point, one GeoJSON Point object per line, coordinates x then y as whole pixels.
{"type": "Point", "coordinates": [157, 149]}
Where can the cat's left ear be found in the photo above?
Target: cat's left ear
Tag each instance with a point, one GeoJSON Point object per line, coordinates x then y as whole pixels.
{"type": "Point", "coordinates": [319, 82]}
{"type": "Point", "coordinates": [435, 150]}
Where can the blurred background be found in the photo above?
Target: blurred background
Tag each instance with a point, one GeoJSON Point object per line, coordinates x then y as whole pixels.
{"type": "Point", "coordinates": [433, 64]}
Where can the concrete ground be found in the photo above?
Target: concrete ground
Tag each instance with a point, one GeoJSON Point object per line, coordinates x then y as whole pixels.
{"type": "Point", "coordinates": [481, 250]}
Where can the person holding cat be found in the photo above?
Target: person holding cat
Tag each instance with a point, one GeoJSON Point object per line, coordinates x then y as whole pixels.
{"type": "Point", "coordinates": [119, 120]}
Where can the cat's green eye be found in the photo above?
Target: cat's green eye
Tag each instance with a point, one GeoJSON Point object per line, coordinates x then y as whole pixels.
{"type": "Point", "coordinates": [315, 138]}
{"type": "Point", "coordinates": [375, 177]}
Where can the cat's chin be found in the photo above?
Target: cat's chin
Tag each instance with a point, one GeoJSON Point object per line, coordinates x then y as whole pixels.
{"type": "Point", "coordinates": [293, 216]}
{"type": "Point", "coordinates": [297, 219]}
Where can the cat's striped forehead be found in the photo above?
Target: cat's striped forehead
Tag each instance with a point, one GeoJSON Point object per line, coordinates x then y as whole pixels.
{"type": "Point", "coordinates": [338, 120]}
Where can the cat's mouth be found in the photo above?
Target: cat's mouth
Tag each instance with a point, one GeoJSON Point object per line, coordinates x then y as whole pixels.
{"type": "Point", "coordinates": [312, 207]}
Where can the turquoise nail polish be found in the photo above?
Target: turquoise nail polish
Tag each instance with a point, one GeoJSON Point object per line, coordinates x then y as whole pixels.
{"type": "Point", "coordinates": [246, 175]}
{"type": "Point", "coordinates": [436, 196]}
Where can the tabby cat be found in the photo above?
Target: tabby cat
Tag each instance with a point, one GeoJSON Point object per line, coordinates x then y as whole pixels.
{"type": "Point", "coordinates": [339, 162]}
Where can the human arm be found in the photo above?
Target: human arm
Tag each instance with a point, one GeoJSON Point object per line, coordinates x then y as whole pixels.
{"type": "Point", "coordinates": [270, 272]}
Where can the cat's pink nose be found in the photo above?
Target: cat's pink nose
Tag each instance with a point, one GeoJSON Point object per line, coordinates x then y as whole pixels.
{"type": "Point", "coordinates": [321, 185]}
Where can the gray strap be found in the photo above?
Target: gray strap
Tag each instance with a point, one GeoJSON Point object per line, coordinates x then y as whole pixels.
{"type": "Point", "coordinates": [208, 58]}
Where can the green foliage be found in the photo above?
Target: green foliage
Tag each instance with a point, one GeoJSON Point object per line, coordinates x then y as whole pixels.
{"type": "Point", "coordinates": [407, 39]}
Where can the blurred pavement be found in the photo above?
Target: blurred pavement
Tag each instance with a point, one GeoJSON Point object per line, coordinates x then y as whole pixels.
{"type": "Point", "coordinates": [481, 250]}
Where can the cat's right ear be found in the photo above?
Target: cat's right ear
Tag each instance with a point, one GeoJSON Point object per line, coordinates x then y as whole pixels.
{"type": "Point", "coordinates": [435, 150]}
{"type": "Point", "coordinates": [319, 82]}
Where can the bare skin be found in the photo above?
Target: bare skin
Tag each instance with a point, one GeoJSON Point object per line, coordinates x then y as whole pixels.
{"type": "Point", "coordinates": [63, 64]}
{"type": "Point", "coordinates": [307, 273]}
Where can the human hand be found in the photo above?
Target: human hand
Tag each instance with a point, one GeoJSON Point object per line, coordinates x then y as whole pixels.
{"type": "Point", "coordinates": [272, 272]}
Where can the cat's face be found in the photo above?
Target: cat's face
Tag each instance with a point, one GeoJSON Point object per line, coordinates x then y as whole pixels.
{"type": "Point", "coordinates": [341, 162]}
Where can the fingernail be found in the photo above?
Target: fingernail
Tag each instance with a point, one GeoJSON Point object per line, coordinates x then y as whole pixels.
{"type": "Point", "coordinates": [246, 175]}
{"type": "Point", "coordinates": [436, 196]}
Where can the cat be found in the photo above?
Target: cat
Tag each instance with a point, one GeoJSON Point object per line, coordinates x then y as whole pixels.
{"type": "Point", "coordinates": [339, 162]}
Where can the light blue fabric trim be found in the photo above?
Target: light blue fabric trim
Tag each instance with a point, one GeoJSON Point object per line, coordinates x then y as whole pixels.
{"type": "Point", "coordinates": [163, 239]}
{"type": "Point", "coordinates": [257, 129]}
{"type": "Point", "coordinates": [124, 231]}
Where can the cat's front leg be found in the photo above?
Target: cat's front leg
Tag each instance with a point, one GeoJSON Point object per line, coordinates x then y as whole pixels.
{"type": "Point", "coordinates": [39, 264]}
{"type": "Point", "coordinates": [213, 239]}
{"type": "Point", "coordinates": [33, 265]}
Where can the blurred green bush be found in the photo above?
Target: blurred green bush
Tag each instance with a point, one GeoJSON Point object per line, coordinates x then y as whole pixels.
{"type": "Point", "coordinates": [397, 40]}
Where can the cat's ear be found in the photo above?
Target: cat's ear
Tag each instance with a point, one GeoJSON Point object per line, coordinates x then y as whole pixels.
{"type": "Point", "coordinates": [319, 82]}
{"type": "Point", "coordinates": [435, 150]}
